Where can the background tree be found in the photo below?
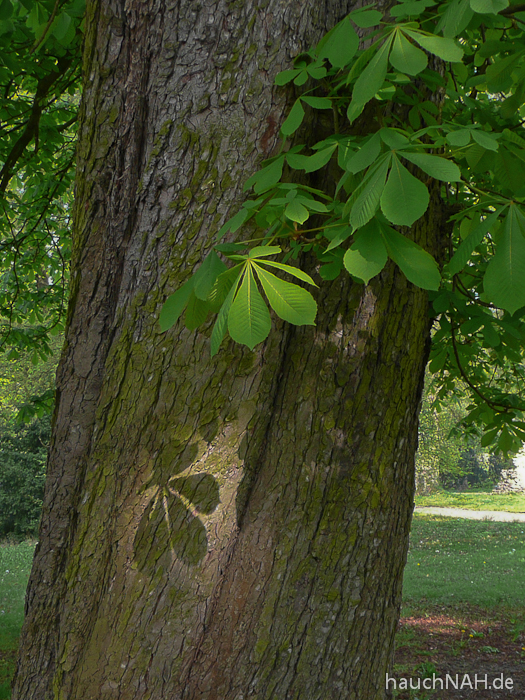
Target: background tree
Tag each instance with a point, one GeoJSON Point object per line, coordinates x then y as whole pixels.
{"type": "Point", "coordinates": [238, 526]}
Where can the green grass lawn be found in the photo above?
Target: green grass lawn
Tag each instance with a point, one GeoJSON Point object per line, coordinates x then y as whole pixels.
{"type": "Point", "coordinates": [473, 561]}
{"type": "Point", "coordinates": [511, 502]}
{"type": "Point", "coordinates": [15, 565]}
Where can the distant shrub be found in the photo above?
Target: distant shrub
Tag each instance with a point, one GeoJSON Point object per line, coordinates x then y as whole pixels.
{"type": "Point", "coordinates": [23, 455]}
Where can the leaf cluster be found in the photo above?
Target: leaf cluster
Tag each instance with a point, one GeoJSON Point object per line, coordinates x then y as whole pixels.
{"type": "Point", "coordinates": [430, 98]}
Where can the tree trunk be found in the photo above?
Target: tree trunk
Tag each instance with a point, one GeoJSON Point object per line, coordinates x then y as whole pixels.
{"type": "Point", "coordinates": [144, 586]}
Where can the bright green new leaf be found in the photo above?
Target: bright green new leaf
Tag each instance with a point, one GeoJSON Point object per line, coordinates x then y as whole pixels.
{"type": "Point", "coordinates": [249, 319]}
{"type": "Point", "coordinates": [294, 271]}
{"type": "Point", "coordinates": [295, 211]}
{"type": "Point", "coordinates": [261, 251]}
{"type": "Point", "coordinates": [204, 278]}
{"type": "Point", "coordinates": [467, 247]}
{"type": "Point", "coordinates": [340, 45]}
{"type": "Point", "coordinates": [405, 57]}
{"type": "Point", "coordinates": [444, 48]}
{"type": "Point", "coordinates": [175, 305]}
{"type": "Point", "coordinates": [366, 204]}
{"type": "Point", "coordinates": [487, 7]}
{"type": "Point", "coordinates": [504, 279]}
{"type": "Point", "coordinates": [289, 301]}
{"type": "Point", "coordinates": [370, 81]}
{"type": "Point", "coordinates": [294, 119]}
{"type": "Point", "coordinates": [367, 256]}
{"type": "Point", "coordinates": [439, 168]}
{"type": "Point", "coordinates": [405, 198]}
{"type": "Point", "coordinates": [418, 266]}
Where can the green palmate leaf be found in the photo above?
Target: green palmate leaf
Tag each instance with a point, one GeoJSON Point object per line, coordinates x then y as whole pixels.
{"type": "Point", "coordinates": [508, 171]}
{"type": "Point", "coordinates": [286, 76]}
{"type": "Point", "coordinates": [467, 247]}
{"type": "Point", "coordinates": [456, 18]}
{"type": "Point", "coordinates": [488, 6]}
{"type": "Point", "coordinates": [499, 74]}
{"type": "Point", "coordinates": [365, 156]}
{"type": "Point", "coordinates": [196, 312]}
{"type": "Point", "coordinates": [405, 198]}
{"type": "Point", "coordinates": [290, 302]}
{"type": "Point", "coordinates": [262, 251]}
{"type": "Point", "coordinates": [267, 177]}
{"type": "Point", "coordinates": [406, 57]}
{"type": "Point", "coordinates": [370, 81]}
{"type": "Point", "coordinates": [294, 271]}
{"type": "Point", "coordinates": [339, 45]}
{"type": "Point", "coordinates": [367, 256]}
{"type": "Point", "coordinates": [249, 319]}
{"type": "Point", "coordinates": [459, 138]}
{"type": "Point", "coordinates": [393, 138]}
{"type": "Point", "coordinates": [222, 287]}
{"type": "Point", "coordinates": [175, 305]}
{"type": "Point", "coordinates": [412, 8]}
{"type": "Point", "coordinates": [418, 266]}
{"type": "Point", "coordinates": [366, 18]}
{"type": "Point", "coordinates": [204, 278]}
{"type": "Point", "coordinates": [367, 203]}
{"type": "Point", "coordinates": [504, 279]}
{"type": "Point", "coordinates": [446, 49]}
{"type": "Point", "coordinates": [221, 324]}
{"type": "Point", "coordinates": [486, 140]}
{"type": "Point", "coordinates": [311, 163]}
{"type": "Point", "coordinates": [439, 168]}
{"type": "Point", "coordinates": [295, 211]}
{"type": "Point", "coordinates": [317, 102]}
{"type": "Point", "coordinates": [342, 234]}
{"type": "Point", "coordinates": [294, 119]}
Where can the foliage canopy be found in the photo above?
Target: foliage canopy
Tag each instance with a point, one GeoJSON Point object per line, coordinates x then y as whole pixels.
{"type": "Point", "coordinates": [39, 85]}
{"type": "Point", "coordinates": [428, 98]}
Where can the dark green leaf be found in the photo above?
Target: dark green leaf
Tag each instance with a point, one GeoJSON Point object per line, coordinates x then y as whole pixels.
{"type": "Point", "coordinates": [446, 49]}
{"type": "Point", "coordinates": [365, 156]}
{"type": "Point", "coordinates": [488, 6]}
{"type": "Point", "coordinates": [204, 278]}
{"type": "Point", "coordinates": [221, 324]}
{"type": "Point", "coordinates": [366, 204]}
{"type": "Point", "coordinates": [175, 305]}
{"type": "Point", "coordinates": [294, 119]}
{"type": "Point", "coordinates": [466, 248]}
{"type": "Point", "coordinates": [370, 81]}
{"type": "Point", "coordinates": [418, 266]}
{"type": "Point", "coordinates": [504, 279]}
{"type": "Point", "coordinates": [366, 18]}
{"type": "Point", "coordinates": [405, 198]}
{"type": "Point", "coordinates": [196, 312]}
{"type": "Point", "coordinates": [340, 44]}
{"type": "Point", "coordinates": [439, 168]}
{"type": "Point", "coordinates": [406, 57]}
{"type": "Point", "coordinates": [367, 256]}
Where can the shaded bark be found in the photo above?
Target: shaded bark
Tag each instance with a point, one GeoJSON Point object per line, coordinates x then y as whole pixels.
{"type": "Point", "coordinates": [144, 585]}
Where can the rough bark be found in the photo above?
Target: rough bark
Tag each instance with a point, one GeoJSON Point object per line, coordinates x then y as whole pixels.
{"type": "Point", "coordinates": [142, 586]}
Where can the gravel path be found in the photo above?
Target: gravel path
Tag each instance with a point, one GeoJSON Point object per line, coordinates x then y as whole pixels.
{"type": "Point", "coordinates": [496, 515]}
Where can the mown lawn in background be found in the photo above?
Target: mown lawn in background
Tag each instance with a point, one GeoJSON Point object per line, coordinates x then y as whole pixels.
{"type": "Point", "coordinates": [453, 560]}
{"type": "Point", "coordinates": [511, 502]}
{"type": "Point", "coordinates": [15, 565]}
